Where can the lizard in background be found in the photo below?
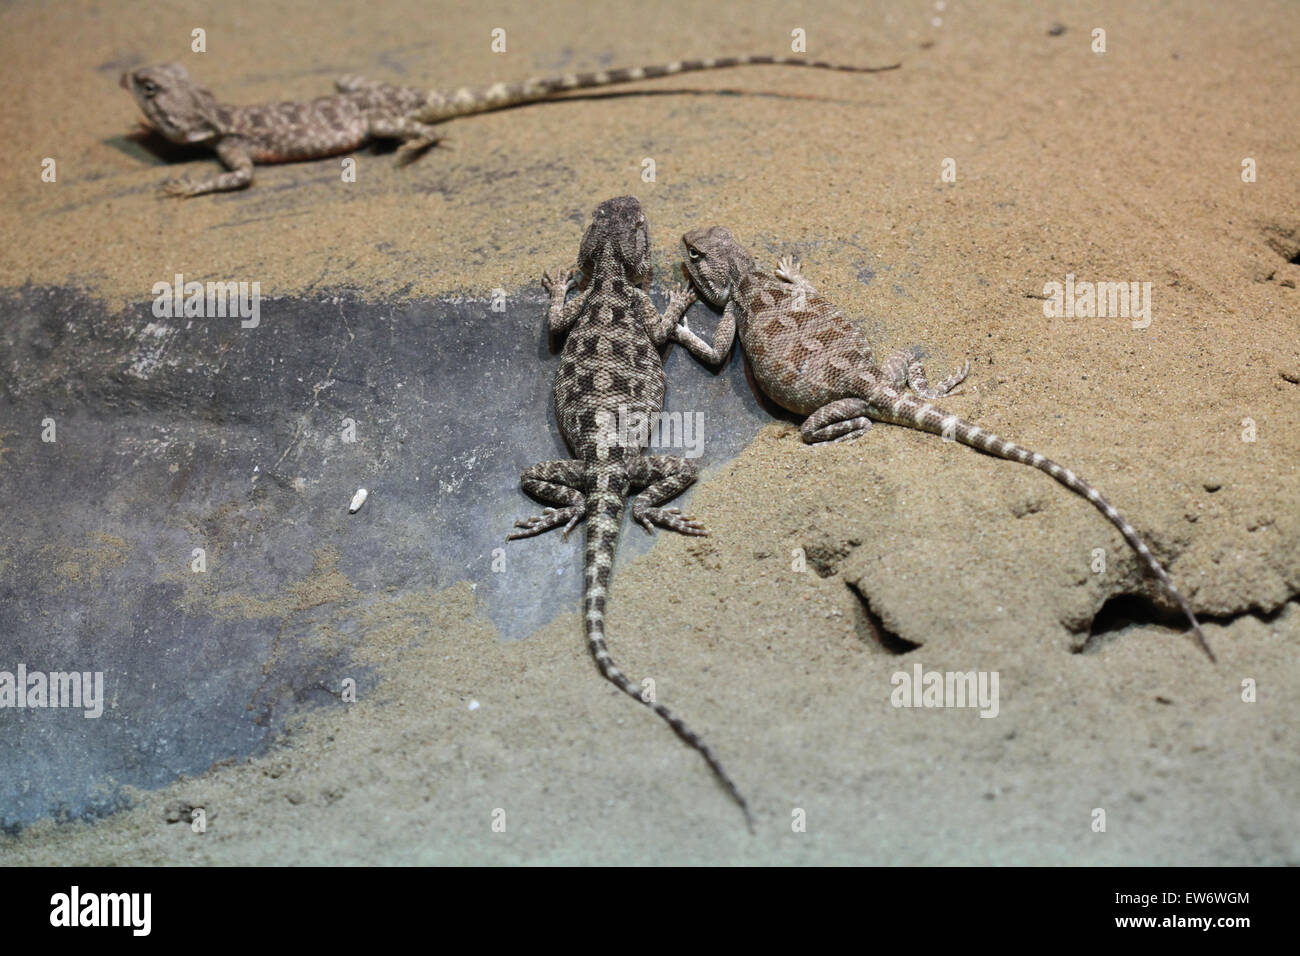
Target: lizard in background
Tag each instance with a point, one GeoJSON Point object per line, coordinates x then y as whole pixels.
{"type": "Point", "coordinates": [358, 112]}
{"type": "Point", "coordinates": [810, 359]}
{"type": "Point", "coordinates": [610, 378]}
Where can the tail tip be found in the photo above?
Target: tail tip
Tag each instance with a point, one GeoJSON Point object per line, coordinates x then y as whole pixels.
{"type": "Point", "coordinates": [1205, 645]}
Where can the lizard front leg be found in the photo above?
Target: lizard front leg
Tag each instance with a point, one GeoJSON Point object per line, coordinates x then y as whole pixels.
{"type": "Point", "coordinates": [561, 317]}
{"type": "Point", "coordinates": [234, 153]}
{"type": "Point", "coordinates": [660, 327]}
{"type": "Point", "coordinates": [787, 270]}
{"type": "Point", "coordinates": [842, 420]}
{"type": "Point", "coordinates": [558, 482]}
{"type": "Point", "coordinates": [723, 336]}
{"type": "Point", "coordinates": [663, 477]}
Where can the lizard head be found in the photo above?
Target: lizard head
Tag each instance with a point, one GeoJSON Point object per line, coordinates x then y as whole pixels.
{"type": "Point", "coordinates": [619, 230]}
{"type": "Point", "coordinates": [715, 261]}
{"type": "Point", "coordinates": [173, 103]}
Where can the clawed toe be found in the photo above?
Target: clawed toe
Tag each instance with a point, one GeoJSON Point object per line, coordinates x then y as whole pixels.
{"type": "Point", "coordinates": [414, 149]}
{"type": "Point", "coordinates": [672, 519]}
{"type": "Point", "coordinates": [176, 188]}
{"type": "Point", "coordinates": [548, 519]}
{"type": "Point", "coordinates": [949, 385]}
{"type": "Point", "coordinates": [558, 279]}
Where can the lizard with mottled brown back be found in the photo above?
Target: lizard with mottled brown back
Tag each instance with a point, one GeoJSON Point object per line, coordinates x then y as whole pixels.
{"type": "Point", "coordinates": [810, 359]}
{"type": "Point", "coordinates": [611, 379]}
{"type": "Point", "coordinates": [360, 111]}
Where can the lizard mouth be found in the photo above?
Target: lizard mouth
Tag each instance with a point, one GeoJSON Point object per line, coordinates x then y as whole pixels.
{"type": "Point", "coordinates": [716, 297]}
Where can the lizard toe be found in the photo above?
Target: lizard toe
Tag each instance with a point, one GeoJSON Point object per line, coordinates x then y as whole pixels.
{"type": "Point", "coordinates": [176, 188]}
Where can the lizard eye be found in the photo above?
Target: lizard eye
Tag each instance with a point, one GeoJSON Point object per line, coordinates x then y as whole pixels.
{"type": "Point", "coordinates": [693, 253]}
{"type": "Point", "coordinates": [149, 88]}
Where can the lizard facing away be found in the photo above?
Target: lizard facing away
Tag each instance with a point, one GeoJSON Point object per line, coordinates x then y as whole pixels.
{"type": "Point", "coordinates": [358, 112]}
{"type": "Point", "coordinates": [812, 360]}
{"type": "Point", "coordinates": [611, 377]}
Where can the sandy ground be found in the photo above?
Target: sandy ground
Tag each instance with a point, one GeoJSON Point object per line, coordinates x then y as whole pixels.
{"type": "Point", "coordinates": [1124, 166]}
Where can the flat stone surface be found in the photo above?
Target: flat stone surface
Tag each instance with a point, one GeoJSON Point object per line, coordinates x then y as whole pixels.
{"type": "Point", "coordinates": [179, 434]}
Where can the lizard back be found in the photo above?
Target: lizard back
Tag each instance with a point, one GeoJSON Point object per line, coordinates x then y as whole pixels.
{"type": "Point", "coordinates": [610, 370]}
{"type": "Point", "coordinates": [325, 126]}
{"type": "Point", "coordinates": [808, 357]}
{"type": "Point", "coordinates": [609, 386]}
{"type": "Point", "coordinates": [801, 347]}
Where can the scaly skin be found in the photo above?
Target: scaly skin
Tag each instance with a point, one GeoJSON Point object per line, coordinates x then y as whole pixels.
{"type": "Point", "coordinates": [611, 371]}
{"type": "Point", "coordinates": [241, 136]}
{"type": "Point", "coordinates": [360, 111]}
{"type": "Point", "coordinates": [809, 358]}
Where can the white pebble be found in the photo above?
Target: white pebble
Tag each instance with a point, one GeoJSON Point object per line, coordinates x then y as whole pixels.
{"type": "Point", "coordinates": [358, 500]}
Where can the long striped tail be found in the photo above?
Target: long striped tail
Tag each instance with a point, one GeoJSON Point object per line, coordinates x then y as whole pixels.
{"type": "Point", "coordinates": [605, 510]}
{"type": "Point", "coordinates": [443, 105]}
{"type": "Point", "coordinates": [888, 404]}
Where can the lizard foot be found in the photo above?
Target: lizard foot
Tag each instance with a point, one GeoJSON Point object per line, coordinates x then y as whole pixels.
{"type": "Point", "coordinates": [559, 281]}
{"type": "Point", "coordinates": [670, 518]}
{"type": "Point", "coordinates": [916, 378]}
{"type": "Point", "coordinates": [177, 188]}
{"type": "Point", "coordinates": [413, 149]}
{"type": "Point", "coordinates": [350, 83]}
{"type": "Point", "coordinates": [681, 296]}
{"type": "Point", "coordinates": [548, 519]}
{"type": "Point", "coordinates": [787, 269]}
{"type": "Point", "coordinates": [952, 381]}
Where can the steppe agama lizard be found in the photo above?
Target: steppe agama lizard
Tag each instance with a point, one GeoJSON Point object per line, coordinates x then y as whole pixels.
{"type": "Point", "coordinates": [359, 111]}
{"type": "Point", "coordinates": [809, 358]}
{"type": "Point", "coordinates": [610, 381]}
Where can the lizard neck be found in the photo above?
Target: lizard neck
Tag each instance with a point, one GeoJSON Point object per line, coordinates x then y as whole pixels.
{"type": "Point", "coordinates": [743, 293]}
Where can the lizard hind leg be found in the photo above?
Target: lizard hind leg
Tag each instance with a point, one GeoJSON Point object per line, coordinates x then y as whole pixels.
{"type": "Point", "coordinates": [416, 137]}
{"type": "Point", "coordinates": [558, 482]}
{"type": "Point", "coordinates": [916, 379]}
{"type": "Point", "coordinates": [904, 368]}
{"type": "Point", "coordinates": [842, 420]}
{"type": "Point", "coordinates": [663, 477]}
